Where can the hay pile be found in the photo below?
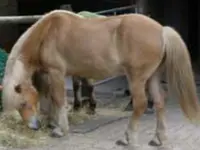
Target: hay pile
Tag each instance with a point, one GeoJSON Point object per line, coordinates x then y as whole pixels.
{"type": "Point", "coordinates": [78, 117]}
{"type": "Point", "coordinates": [15, 134]}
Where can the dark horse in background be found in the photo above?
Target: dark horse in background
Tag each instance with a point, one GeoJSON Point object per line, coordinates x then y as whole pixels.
{"type": "Point", "coordinates": [87, 95]}
{"type": "Point", "coordinates": [86, 98]}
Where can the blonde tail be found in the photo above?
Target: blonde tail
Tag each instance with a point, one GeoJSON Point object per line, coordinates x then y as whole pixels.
{"type": "Point", "coordinates": [179, 74]}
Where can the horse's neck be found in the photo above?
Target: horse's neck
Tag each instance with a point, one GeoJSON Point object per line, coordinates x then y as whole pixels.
{"type": "Point", "coordinates": [20, 72]}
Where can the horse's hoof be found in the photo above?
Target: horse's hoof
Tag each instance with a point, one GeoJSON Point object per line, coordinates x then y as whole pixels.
{"type": "Point", "coordinates": [34, 123]}
{"type": "Point", "coordinates": [57, 133]}
{"type": "Point", "coordinates": [154, 143]}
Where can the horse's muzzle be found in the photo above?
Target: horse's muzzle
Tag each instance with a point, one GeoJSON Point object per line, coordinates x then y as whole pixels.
{"type": "Point", "coordinates": [34, 123]}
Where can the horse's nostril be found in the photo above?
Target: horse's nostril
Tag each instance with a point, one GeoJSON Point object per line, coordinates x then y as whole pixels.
{"type": "Point", "coordinates": [34, 123]}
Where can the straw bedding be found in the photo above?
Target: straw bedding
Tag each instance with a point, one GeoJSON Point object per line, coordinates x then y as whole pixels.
{"type": "Point", "coordinates": [15, 134]}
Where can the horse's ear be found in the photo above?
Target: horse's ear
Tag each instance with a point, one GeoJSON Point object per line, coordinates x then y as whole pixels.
{"type": "Point", "coordinates": [18, 88]}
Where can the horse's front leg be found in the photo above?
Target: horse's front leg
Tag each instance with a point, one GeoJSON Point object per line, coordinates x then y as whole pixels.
{"type": "Point", "coordinates": [76, 87]}
{"type": "Point", "coordinates": [58, 93]}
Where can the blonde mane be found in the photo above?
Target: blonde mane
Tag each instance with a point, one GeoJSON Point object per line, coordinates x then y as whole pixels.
{"type": "Point", "coordinates": [15, 72]}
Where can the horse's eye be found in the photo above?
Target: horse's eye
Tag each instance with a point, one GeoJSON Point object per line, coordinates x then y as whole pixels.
{"type": "Point", "coordinates": [23, 105]}
{"type": "Point", "coordinates": [26, 105]}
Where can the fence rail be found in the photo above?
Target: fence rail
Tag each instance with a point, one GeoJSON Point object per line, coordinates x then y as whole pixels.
{"type": "Point", "coordinates": [114, 10]}
{"type": "Point", "coordinates": [33, 18]}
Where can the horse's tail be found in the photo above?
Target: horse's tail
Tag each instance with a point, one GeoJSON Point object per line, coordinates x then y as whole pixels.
{"type": "Point", "coordinates": [179, 73]}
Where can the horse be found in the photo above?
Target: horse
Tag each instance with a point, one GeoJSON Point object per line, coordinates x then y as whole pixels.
{"type": "Point", "coordinates": [130, 44]}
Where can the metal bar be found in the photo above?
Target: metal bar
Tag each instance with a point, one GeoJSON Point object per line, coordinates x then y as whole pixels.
{"type": "Point", "coordinates": [33, 18]}
{"type": "Point", "coordinates": [19, 19]}
{"type": "Point", "coordinates": [116, 9]}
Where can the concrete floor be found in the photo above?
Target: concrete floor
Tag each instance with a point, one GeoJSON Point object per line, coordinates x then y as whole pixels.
{"type": "Point", "coordinates": [182, 135]}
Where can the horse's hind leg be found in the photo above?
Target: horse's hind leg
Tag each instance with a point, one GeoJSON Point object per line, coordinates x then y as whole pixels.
{"type": "Point", "coordinates": [58, 98]}
{"type": "Point", "coordinates": [156, 91]}
{"type": "Point", "coordinates": [137, 84]}
{"type": "Point", "coordinates": [76, 87]}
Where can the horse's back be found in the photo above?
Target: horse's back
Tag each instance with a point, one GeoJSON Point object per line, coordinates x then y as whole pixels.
{"type": "Point", "coordinates": [88, 44]}
{"type": "Point", "coordinates": [99, 46]}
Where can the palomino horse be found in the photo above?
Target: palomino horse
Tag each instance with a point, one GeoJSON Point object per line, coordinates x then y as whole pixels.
{"type": "Point", "coordinates": [97, 48]}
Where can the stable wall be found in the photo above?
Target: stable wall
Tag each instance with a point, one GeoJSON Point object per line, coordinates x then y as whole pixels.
{"type": "Point", "coordinates": [181, 15]}
{"type": "Point", "coordinates": [8, 33]}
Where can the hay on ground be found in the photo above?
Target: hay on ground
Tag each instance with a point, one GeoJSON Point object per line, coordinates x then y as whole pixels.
{"type": "Point", "coordinates": [15, 134]}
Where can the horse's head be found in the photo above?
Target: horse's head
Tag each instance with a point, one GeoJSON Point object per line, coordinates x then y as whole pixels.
{"type": "Point", "coordinates": [24, 99]}
{"type": "Point", "coordinates": [28, 107]}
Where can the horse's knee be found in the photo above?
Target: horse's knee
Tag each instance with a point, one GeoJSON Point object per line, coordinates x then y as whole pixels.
{"type": "Point", "coordinates": [139, 106]}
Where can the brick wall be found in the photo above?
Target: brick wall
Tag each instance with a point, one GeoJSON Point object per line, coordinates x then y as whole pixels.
{"type": "Point", "coordinates": [8, 32]}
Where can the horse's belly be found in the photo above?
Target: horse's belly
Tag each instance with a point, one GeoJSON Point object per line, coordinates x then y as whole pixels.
{"type": "Point", "coordinates": [96, 70]}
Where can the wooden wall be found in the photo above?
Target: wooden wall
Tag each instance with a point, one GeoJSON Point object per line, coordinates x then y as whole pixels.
{"type": "Point", "coordinates": [8, 33]}
{"type": "Point", "coordinates": [183, 16]}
